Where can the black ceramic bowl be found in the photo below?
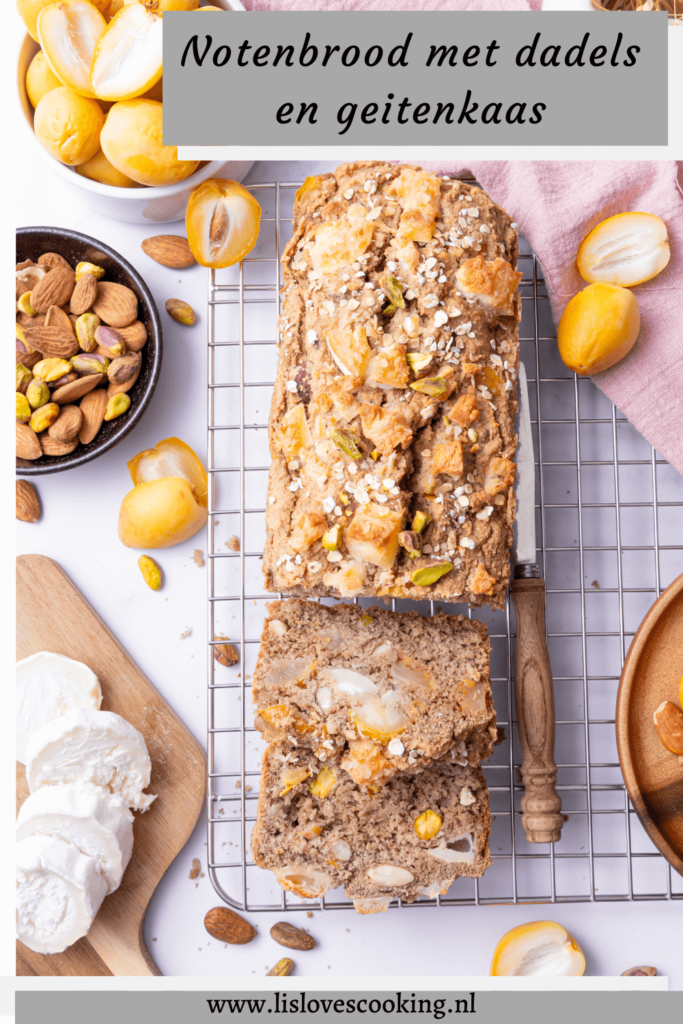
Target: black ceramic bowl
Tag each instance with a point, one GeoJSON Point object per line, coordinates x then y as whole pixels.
{"type": "Point", "coordinates": [77, 248]}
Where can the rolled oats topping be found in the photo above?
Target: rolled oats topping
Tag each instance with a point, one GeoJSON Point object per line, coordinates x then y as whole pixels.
{"type": "Point", "coordinates": [399, 335]}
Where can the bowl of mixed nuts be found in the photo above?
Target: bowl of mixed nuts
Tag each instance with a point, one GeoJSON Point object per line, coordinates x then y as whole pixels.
{"type": "Point", "coordinates": [88, 349]}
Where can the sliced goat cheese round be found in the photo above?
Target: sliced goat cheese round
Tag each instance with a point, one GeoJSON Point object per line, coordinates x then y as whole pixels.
{"type": "Point", "coordinates": [59, 891]}
{"type": "Point", "coordinates": [91, 746]}
{"type": "Point", "coordinates": [47, 686]}
{"type": "Point", "coordinates": [97, 823]}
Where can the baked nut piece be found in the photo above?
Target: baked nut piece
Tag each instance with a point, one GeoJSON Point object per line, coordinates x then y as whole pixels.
{"type": "Point", "coordinates": [375, 691]}
{"type": "Point", "coordinates": [395, 392]}
{"type": "Point", "coordinates": [317, 830]}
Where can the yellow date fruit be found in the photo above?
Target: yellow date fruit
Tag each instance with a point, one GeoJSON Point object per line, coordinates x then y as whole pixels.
{"type": "Point", "coordinates": [222, 222]}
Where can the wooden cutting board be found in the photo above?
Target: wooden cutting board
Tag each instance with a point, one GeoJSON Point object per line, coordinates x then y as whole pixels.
{"type": "Point", "coordinates": [653, 775]}
{"type": "Point", "coordinates": [52, 615]}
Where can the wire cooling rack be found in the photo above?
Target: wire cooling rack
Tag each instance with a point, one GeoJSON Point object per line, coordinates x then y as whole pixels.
{"type": "Point", "coordinates": [609, 522]}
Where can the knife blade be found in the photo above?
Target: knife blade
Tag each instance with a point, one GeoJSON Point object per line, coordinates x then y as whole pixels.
{"type": "Point", "coordinates": [534, 693]}
{"type": "Point", "coordinates": [524, 542]}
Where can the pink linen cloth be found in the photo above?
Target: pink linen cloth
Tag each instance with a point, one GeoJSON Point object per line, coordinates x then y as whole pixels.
{"type": "Point", "coordinates": [556, 204]}
{"type": "Point", "coordinates": [392, 5]}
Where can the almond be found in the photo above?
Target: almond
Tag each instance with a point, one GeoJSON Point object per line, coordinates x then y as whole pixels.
{"type": "Point", "coordinates": [169, 250]}
{"type": "Point", "coordinates": [51, 446]}
{"type": "Point", "coordinates": [28, 505]}
{"type": "Point", "coordinates": [134, 336]}
{"type": "Point", "coordinates": [115, 304]}
{"type": "Point", "coordinates": [92, 407]}
{"type": "Point", "coordinates": [227, 926]}
{"type": "Point", "coordinates": [54, 289]}
{"type": "Point", "coordinates": [84, 294]}
{"type": "Point", "coordinates": [53, 342]}
{"type": "Point", "coordinates": [50, 260]}
{"type": "Point", "coordinates": [225, 654]}
{"type": "Point", "coordinates": [76, 388]}
{"type": "Point", "coordinates": [668, 721]}
{"type": "Point", "coordinates": [24, 320]}
{"type": "Point", "coordinates": [28, 445]}
{"type": "Point", "coordinates": [67, 424]}
{"type": "Point", "coordinates": [58, 316]}
{"type": "Point", "coordinates": [294, 938]}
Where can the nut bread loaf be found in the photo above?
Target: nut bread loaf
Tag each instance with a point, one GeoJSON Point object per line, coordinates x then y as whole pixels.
{"type": "Point", "coordinates": [317, 829]}
{"type": "Point", "coordinates": [374, 691]}
{"type": "Point", "coordinates": [392, 422]}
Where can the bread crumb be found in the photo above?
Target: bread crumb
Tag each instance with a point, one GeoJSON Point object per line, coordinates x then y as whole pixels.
{"type": "Point", "coordinates": [233, 543]}
{"type": "Point", "coordinates": [309, 914]}
{"type": "Point", "coordinates": [194, 870]}
{"type": "Point", "coordinates": [595, 584]}
{"type": "Point", "coordinates": [186, 633]}
{"type": "Point", "coordinates": [198, 558]}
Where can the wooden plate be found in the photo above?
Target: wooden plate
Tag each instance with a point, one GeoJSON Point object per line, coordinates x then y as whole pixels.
{"type": "Point", "coordinates": [653, 775]}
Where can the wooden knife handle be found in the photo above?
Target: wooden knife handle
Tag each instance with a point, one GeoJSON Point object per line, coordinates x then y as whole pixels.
{"type": "Point", "coordinates": [541, 805]}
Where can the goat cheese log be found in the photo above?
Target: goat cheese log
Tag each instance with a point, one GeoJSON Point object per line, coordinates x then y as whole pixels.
{"type": "Point", "coordinates": [392, 422]}
{"type": "Point", "coordinates": [59, 891]}
{"type": "Point", "coordinates": [91, 746]}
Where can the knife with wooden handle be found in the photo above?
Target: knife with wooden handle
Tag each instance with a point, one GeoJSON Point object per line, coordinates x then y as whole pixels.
{"type": "Point", "coordinates": [541, 804]}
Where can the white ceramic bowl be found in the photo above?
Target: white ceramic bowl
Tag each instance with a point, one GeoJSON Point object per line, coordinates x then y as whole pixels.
{"type": "Point", "coordinates": [135, 205]}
